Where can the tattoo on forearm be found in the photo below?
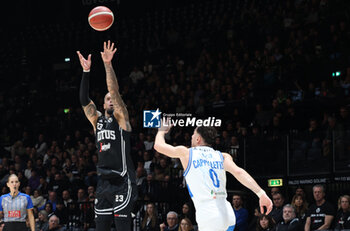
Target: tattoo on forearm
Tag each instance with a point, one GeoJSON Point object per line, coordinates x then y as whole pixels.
{"type": "Point", "coordinates": [90, 110]}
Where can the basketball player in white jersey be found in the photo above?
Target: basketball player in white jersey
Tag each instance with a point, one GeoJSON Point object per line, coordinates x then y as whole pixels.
{"type": "Point", "coordinates": [206, 178]}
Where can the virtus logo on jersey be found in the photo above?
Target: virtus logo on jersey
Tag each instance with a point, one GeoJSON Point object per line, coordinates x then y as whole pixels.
{"type": "Point", "coordinates": [151, 118]}
{"type": "Point", "coordinates": [106, 134]}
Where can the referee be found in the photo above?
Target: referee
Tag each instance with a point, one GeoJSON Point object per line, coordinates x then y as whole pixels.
{"type": "Point", "coordinates": [15, 207]}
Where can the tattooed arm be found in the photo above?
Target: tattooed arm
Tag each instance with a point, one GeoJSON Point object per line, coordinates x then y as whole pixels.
{"type": "Point", "coordinates": [120, 111]}
{"type": "Point", "coordinates": [88, 105]}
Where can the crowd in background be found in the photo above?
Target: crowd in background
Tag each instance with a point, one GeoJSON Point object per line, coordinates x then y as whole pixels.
{"type": "Point", "coordinates": [263, 67]}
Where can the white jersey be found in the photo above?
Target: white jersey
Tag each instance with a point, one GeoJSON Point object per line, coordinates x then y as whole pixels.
{"type": "Point", "coordinates": [205, 174]}
{"type": "Point", "coordinates": [206, 182]}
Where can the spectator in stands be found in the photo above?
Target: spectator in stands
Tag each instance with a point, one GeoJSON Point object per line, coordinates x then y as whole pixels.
{"type": "Point", "coordinates": [41, 223]}
{"type": "Point", "coordinates": [319, 215]}
{"type": "Point", "coordinates": [172, 221]}
{"type": "Point", "coordinates": [38, 200]}
{"type": "Point", "coordinates": [48, 209]}
{"type": "Point", "coordinates": [34, 180]}
{"type": "Point", "coordinates": [150, 220]}
{"type": "Point", "coordinates": [66, 198]}
{"type": "Point", "coordinates": [28, 170]}
{"type": "Point", "coordinates": [187, 211]}
{"type": "Point", "coordinates": [149, 188]}
{"type": "Point", "coordinates": [61, 212]}
{"type": "Point", "coordinates": [41, 145]}
{"type": "Point", "coordinates": [265, 223]}
{"type": "Point", "coordinates": [300, 204]}
{"type": "Point", "coordinates": [277, 210]}
{"type": "Point", "coordinates": [300, 191]}
{"type": "Point", "coordinates": [43, 186]}
{"type": "Point", "coordinates": [148, 165]}
{"type": "Point", "coordinates": [54, 224]}
{"type": "Point", "coordinates": [140, 176]}
{"type": "Point", "coordinates": [240, 213]}
{"type": "Point", "coordinates": [253, 222]}
{"type": "Point", "coordinates": [342, 219]}
{"type": "Point", "coordinates": [185, 225]}
{"type": "Point", "coordinates": [149, 142]}
{"type": "Point", "coordinates": [52, 200]}
{"type": "Point", "coordinates": [290, 222]}
{"type": "Point", "coordinates": [274, 190]}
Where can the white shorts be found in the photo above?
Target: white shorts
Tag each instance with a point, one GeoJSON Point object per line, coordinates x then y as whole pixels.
{"type": "Point", "coordinates": [215, 215]}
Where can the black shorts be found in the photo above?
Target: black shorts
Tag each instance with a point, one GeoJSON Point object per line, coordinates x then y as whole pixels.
{"type": "Point", "coordinates": [9, 226]}
{"type": "Point", "coordinates": [115, 198]}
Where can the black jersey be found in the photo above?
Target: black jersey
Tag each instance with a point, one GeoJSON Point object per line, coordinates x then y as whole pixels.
{"type": "Point", "coordinates": [113, 146]}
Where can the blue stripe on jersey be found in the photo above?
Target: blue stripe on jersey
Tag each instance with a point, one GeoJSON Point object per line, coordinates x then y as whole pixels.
{"type": "Point", "coordinates": [221, 156]}
{"type": "Point", "coordinates": [189, 191]}
{"type": "Point", "coordinates": [231, 228]}
{"type": "Point", "coordinates": [189, 163]}
{"type": "Point", "coordinates": [1, 208]}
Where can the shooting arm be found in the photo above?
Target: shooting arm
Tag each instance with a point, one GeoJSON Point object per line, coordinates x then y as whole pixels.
{"type": "Point", "coordinates": [120, 111]}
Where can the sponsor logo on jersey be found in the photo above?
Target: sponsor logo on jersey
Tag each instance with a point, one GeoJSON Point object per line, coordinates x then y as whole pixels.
{"type": "Point", "coordinates": [105, 147]}
{"type": "Point", "coordinates": [110, 120]}
{"type": "Point", "coordinates": [120, 215]}
{"type": "Point", "coordinates": [16, 213]}
{"type": "Point", "coordinates": [106, 135]}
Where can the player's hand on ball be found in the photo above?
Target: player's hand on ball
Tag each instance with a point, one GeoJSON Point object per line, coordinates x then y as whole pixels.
{"type": "Point", "coordinates": [165, 125]}
{"type": "Point", "coordinates": [85, 63]}
{"type": "Point", "coordinates": [108, 52]}
{"type": "Point", "coordinates": [265, 201]}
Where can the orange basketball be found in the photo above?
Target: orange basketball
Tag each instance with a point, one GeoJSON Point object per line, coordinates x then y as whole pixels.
{"type": "Point", "coordinates": [101, 18]}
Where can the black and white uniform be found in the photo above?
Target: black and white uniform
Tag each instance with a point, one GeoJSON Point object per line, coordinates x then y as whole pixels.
{"type": "Point", "coordinates": [116, 188]}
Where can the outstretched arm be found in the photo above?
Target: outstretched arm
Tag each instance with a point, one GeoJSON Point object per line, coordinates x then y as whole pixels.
{"type": "Point", "coordinates": [242, 176]}
{"type": "Point", "coordinates": [120, 111]}
{"type": "Point", "coordinates": [162, 147]}
{"type": "Point", "coordinates": [88, 105]}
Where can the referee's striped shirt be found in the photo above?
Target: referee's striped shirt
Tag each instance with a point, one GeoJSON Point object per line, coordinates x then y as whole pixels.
{"type": "Point", "coordinates": [15, 209]}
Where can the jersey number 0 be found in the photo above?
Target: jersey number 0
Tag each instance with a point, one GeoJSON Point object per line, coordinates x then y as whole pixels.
{"type": "Point", "coordinates": [214, 178]}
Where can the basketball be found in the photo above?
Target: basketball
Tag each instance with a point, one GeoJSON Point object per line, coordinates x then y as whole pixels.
{"type": "Point", "coordinates": [101, 18]}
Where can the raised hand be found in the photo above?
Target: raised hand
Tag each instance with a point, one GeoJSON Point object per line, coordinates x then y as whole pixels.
{"type": "Point", "coordinates": [108, 52]}
{"type": "Point", "coordinates": [85, 64]}
{"type": "Point", "coordinates": [165, 126]}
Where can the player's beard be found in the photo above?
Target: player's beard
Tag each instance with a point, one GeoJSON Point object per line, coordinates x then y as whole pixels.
{"type": "Point", "coordinates": [110, 111]}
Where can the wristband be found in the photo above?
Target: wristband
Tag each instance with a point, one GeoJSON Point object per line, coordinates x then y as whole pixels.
{"type": "Point", "coordinates": [260, 193]}
{"type": "Point", "coordinates": [86, 70]}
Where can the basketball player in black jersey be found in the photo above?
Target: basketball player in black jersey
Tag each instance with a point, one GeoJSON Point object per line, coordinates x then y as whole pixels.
{"type": "Point", "coordinates": [116, 187]}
